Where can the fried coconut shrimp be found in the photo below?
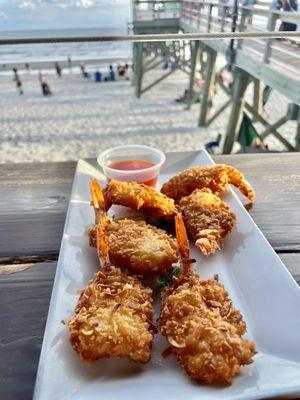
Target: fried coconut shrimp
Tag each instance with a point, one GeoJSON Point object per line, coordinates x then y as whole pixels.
{"type": "Point", "coordinates": [113, 318]}
{"type": "Point", "coordinates": [113, 314]}
{"type": "Point", "coordinates": [214, 177]}
{"type": "Point", "coordinates": [201, 325]}
{"type": "Point", "coordinates": [135, 246]}
{"type": "Point", "coordinates": [138, 247]}
{"type": "Point", "coordinates": [140, 197]}
{"type": "Point", "coordinates": [208, 220]}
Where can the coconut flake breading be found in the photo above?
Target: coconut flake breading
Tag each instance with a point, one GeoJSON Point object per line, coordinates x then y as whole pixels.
{"type": "Point", "coordinates": [214, 177]}
{"type": "Point", "coordinates": [138, 247]}
{"type": "Point", "coordinates": [199, 322]}
{"type": "Point", "coordinates": [208, 220]}
{"type": "Point", "coordinates": [209, 347]}
{"type": "Point", "coordinates": [140, 197]}
{"type": "Point", "coordinates": [112, 319]}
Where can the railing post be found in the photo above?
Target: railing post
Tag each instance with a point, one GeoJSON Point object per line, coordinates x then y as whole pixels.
{"type": "Point", "coordinates": [270, 27]}
{"type": "Point", "coordinates": [257, 97]}
{"type": "Point", "coordinates": [194, 57]}
{"type": "Point", "coordinates": [199, 14]}
{"type": "Point", "coordinates": [223, 18]}
{"type": "Point", "coordinates": [202, 63]}
{"type": "Point", "coordinates": [138, 72]}
{"type": "Point", "coordinates": [210, 77]}
{"type": "Point", "coordinates": [243, 26]}
{"type": "Point", "coordinates": [133, 64]}
{"type": "Point", "coordinates": [241, 81]}
{"type": "Point", "coordinates": [209, 18]}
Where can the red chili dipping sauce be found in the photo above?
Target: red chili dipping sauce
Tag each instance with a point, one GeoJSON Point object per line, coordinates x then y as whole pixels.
{"type": "Point", "coordinates": [134, 165]}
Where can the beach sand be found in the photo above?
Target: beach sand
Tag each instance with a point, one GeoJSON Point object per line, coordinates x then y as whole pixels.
{"type": "Point", "coordinates": [83, 118]}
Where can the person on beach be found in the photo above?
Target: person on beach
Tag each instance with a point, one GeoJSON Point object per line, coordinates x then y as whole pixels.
{"type": "Point", "coordinates": [18, 81]}
{"type": "Point", "coordinates": [120, 70]}
{"type": "Point", "coordinates": [112, 75]}
{"type": "Point", "coordinates": [44, 85]}
{"type": "Point", "coordinates": [98, 76]}
{"type": "Point", "coordinates": [127, 73]}
{"type": "Point", "coordinates": [70, 64]}
{"type": "Point", "coordinates": [58, 69]}
{"type": "Point", "coordinates": [82, 69]}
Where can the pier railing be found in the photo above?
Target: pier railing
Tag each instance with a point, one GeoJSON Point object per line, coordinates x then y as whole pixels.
{"type": "Point", "coordinates": [206, 16]}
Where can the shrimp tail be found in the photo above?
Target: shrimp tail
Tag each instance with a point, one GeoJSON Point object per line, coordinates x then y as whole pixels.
{"type": "Point", "coordinates": [183, 244]}
{"type": "Point", "coordinates": [238, 180]}
{"type": "Point", "coordinates": [98, 201]}
{"type": "Point", "coordinates": [101, 218]}
{"type": "Point", "coordinates": [102, 246]}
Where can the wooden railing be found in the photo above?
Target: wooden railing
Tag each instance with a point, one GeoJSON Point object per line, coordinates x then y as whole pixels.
{"type": "Point", "coordinates": [207, 16]}
{"type": "Point", "coordinates": [211, 16]}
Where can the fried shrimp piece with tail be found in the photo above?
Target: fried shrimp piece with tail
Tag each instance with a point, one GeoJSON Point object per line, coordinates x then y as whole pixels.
{"type": "Point", "coordinates": [134, 246]}
{"type": "Point", "coordinates": [208, 220]}
{"type": "Point", "coordinates": [113, 316]}
{"type": "Point", "coordinates": [140, 197]}
{"type": "Point", "coordinates": [202, 327]}
{"type": "Point", "coordinates": [214, 177]}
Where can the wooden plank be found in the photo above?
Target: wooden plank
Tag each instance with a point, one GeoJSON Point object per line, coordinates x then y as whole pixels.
{"type": "Point", "coordinates": [276, 181]}
{"type": "Point", "coordinates": [35, 174]}
{"type": "Point", "coordinates": [257, 96]}
{"type": "Point", "coordinates": [34, 200]}
{"type": "Point", "coordinates": [24, 298]}
{"type": "Point", "coordinates": [272, 19]}
{"type": "Point", "coordinates": [138, 69]}
{"type": "Point", "coordinates": [194, 58]}
{"type": "Point", "coordinates": [33, 197]}
{"type": "Point", "coordinates": [210, 78]}
{"type": "Point", "coordinates": [240, 85]}
{"type": "Point", "coordinates": [292, 262]}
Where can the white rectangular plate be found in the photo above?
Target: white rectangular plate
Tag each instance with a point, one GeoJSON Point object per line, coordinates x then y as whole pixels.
{"type": "Point", "coordinates": [259, 284]}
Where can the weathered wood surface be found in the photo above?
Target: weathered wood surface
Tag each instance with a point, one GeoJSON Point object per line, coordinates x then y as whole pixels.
{"type": "Point", "coordinates": [24, 299]}
{"type": "Point", "coordinates": [276, 181]}
{"type": "Point", "coordinates": [33, 204]}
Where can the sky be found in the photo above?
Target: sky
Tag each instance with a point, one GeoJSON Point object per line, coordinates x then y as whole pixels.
{"type": "Point", "coordinates": [63, 14]}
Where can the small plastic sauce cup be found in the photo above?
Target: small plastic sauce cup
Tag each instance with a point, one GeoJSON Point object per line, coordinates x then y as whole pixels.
{"type": "Point", "coordinates": [121, 163]}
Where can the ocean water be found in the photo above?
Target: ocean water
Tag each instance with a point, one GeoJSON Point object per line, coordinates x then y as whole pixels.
{"type": "Point", "coordinates": [61, 51]}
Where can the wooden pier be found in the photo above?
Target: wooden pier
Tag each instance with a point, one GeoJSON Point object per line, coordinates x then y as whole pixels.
{"type": "Point", "coordinates": [254, 63]}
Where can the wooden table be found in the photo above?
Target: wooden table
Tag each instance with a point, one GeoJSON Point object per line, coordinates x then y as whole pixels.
{"type": "Point", "coordinates": [33, 204]}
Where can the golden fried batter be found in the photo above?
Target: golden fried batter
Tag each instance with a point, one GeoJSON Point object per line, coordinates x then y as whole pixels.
{"type": "Point", "coordinates": [209, 348]}
{"type": "Point", "coordinates": [208, 220]}
{"type": "Point", "coordinates": [113, 315]}
{"type": "Point", "coordinates": [202, 327]}
{"type": "Point", "coordinates": [216, 297]}
{"type": "Point", "coordinates": [138, 247]}
{"type": "Point", "coordinates": [139, 197]}
{"type": "Point", "coordinates": [215, 177]}
{"type": "Point", "coordinates": [113, 318]}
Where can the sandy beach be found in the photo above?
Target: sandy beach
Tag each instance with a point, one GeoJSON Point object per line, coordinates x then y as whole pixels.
{"type": "Point", "coordinates": [82, 118]}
